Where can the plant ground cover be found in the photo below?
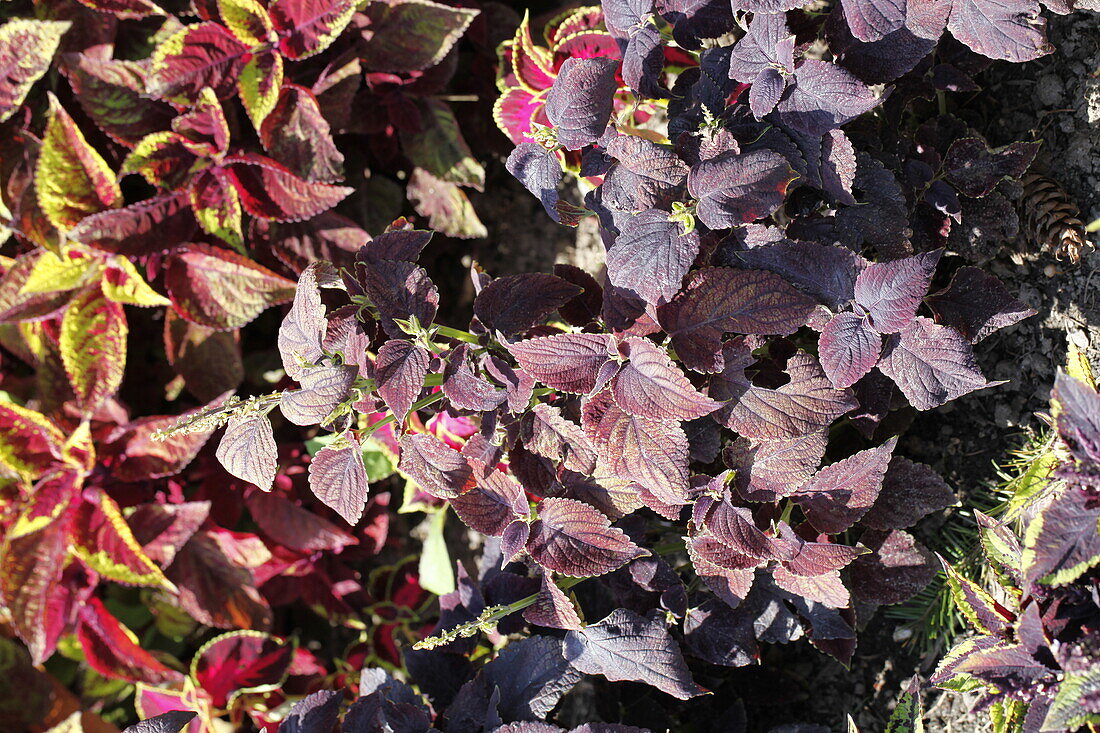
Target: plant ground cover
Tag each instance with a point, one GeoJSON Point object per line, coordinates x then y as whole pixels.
{"type": "Point", "coordinates": [748, 686]}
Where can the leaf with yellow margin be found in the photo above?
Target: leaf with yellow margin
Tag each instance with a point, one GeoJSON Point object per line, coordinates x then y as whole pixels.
{"type": "Point", "coordinates": [52, 273]}
{"type": "Point", "coordinates": [29, 442]}
{"type": "Point", "coordinates": [102, 539]}
{"type": "Point", "coordinates": [93, 346]}
{"type": "Point", "coordinates": [122, 283]}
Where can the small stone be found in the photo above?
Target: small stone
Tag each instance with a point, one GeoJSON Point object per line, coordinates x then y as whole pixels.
{"type": "Point", "coordinates": [1080, 339]}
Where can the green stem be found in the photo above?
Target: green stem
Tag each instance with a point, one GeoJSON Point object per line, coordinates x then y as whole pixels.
{"type": "Point", "coordinates": [454, 333]}
{"type": "Point", "coordinates": [418, 405]}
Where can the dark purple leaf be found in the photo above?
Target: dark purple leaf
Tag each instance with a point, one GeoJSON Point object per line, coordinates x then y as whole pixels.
{"type": "Point", "coordinates": [338, 478]}
{"type": "Point", "coordinates": [518, 385]}
{"type": "Point", "coordinates": [621, 16]}
{"type": "Point", "coordinates": [173, 721]}
{"type": "Point", "coordinates": [805, 404]}
{"type": "Point", "coordinates": [652, 453]}
{"type": "Point", "coordinates": [872, 20]}
{"type": "Point", "coordinates": [717, 634]}
{"type": "Point", "coordinates": [323, 389]}
{"type": "Point", "coordinates": [303, 328]}
{"type": "Point", "coordinates": [849, 348]}
{"type": "Point", "coordinates": [823, 96]}
{"type": "Point", "coordinates": [575, 539]}
{"type": "Point", "coordinates": [892, 291]}
{"type": "Point", "coordinates": [735, 189]}
{"type": "Point", "coordinates": [815, 558]}
{"type": "Point", "coordinates": [514, 303]}
{"type": "Point", "coordinates": [627, 647]}
{"type": "Point", "coordinates": [532, 675]}
{"type": "Point", "coordinates": [399, 372]}
{"type": "Point", "coordinates": [545, 432]}
{"type": "Point", "coordinates": [569, 362]}
{"type": "Point", "coordinates": [584, 308]}
{"type": "Point", "coordinates": [909, 492]}
{"type": "Point", "coordinates": [931, 364]}
{"type": "Point", "coordinates": [734, 526]}
{"type": "Point", "coordinates": [826, 272]}
{"type": "Point", "coordinates": [315, 713]}
{"type": "Point", "coordinates": [659, 174]}
{"type": "Point", "coordinates": [579, 103]}
{"type": "Point", "coordinates": [721, 300]}
{"type": "Point", "coordinates": [839, 494]}
{"type": "Point", "coordinates": [403, 244]}
{"type": "Point", "coordinates": [644, 61]}
{"type": "Point", "coordinates": [880, 217]}
{"type": "Point", "coordinates": [494, 502]}
{"type": "Point", "coordinates": [399, 289]}
{"type": "Point", "coordinates": [651, 256]}
{"type": "Point", "coordinates": [766, 90]}
{"type": "Point", "coordinates": [897, 569]}
{"type": "Point", "coordinates": [1077, 408]}
{"type": "Point", "coordinates": [729, 574]}
{"type": "Point", "coordinates": [552, 608]}
{"type": "Point", "coordinates": [999, 30]}
{"type": "Point", "coordinates": [466, 389]}
{"type": "Point", "coordinates": [827, 588]}
{"type": "Point", "coordinates": [650, 385]}
{"type": "Point", "coordinates": [975, 169]}
{"type": "Point", "coordinates": [1062, 541]}
{"type": "Point", "coordinates": [769, 469]}
{"type": "Point", "coordinates": [976, 304]}
{"type": "Point", "coordinates": [540, 173]}
{"type": "Point", "coordinates": [891, 57]}
{"type": "Point", "coordinates": [767, 45]}
{"type": "Point", "coordinates": [439, 469]}
{"type": "Point", "coordinates": [695, 20]}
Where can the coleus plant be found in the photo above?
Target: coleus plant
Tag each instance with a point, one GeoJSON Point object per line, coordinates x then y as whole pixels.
{"type": "Point", "coordinates": [1034, 649]}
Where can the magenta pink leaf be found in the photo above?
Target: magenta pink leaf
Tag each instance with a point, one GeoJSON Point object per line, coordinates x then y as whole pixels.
{"type": "Point", "coordinates": [931, 364]}
{"type": "Point", "coordinates": [579, 103]}
{"type": "Point", "coordinates": [892, 291]}
{"type": "Point", "coordinates": [848, 348]}
{"type": "Point", "coordinates": [909, 492]}
{"type": "Point", "coordinates": [241, 661]}
{"type": "Point", "coordinates": [627, 647]}
{"type": "Point", "coordinates": [112, 650]}
{"type": "Point", "coordinates": [545, 432]}
{"type": "Point", "coordinates": [399, 372]}
{"type": "Point", "coordinates": [721, 300]}
{"type": "Point", "coordinates": [307, 27]}
{"type": "Point", "coordinates": [552, 608]}
{"type": "Point", "coordinates": [570, 362]}
{"type": "Point", "coordinates": [650, 385]}
{"type": "Point", "coordinates": [841, 493]}
{"type": "Point", "coordinates": [270, 191]}
{"type": "Point", "coordinates": [575, 539]}
{"type": "Point", "coordinates": [439, 469]}
{"type": "Point", "coordinates": [291, 525]}
{"type": "Point", "coordinates": [735, 189]}
{"type": "Point", "coordinates": [154, 225]}
{"type": "Point", "coordinates": [514, 303]}
{"type": "Point", "coordinates": [651, 256]}
{"type": "Point", "coordinates": [338, 477]}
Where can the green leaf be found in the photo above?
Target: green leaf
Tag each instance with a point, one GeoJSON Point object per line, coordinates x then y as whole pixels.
{"type": "Point", "coordinates": [1069, 710]}
{"type": "Point", "coordinates": [72, 180]}
{"type": "Point", "coordinates": [440, 149]}
{"type": "Point", "coordinates": [378, 459]}
{"type": "Point", "coordinates": [26, 49]}
{"type": "Point", "coordinates": [93, 347]}
{"type": "Point", "coordinates": [122, 283]}
{"type": "Point", "coordinates": [436, 570]}
{"type": "Point", "coordinates": [907, 716]}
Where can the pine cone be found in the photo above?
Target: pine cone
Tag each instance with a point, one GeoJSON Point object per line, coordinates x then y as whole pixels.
{"type": "Point", "coordinates": [1050, 218]}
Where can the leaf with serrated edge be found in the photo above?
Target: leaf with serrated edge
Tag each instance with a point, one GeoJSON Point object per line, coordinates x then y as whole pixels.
{"type": "Point", "coordinates": [26, 49]}
{"type": "Point", "coordinates": [437, 468]}
{"type": "Point", "coordinates": [552, 608]}
{"type": "Point", "coordinates": [248, 451]}
{"type": "Point", "coordinates": [931, 364]}
{"type": "Point", "coordinates": [122, 283]}
{"type": "Point", "coordinates": [841, 493]}
{"type": "Point", "coordinates": [338, 478]}
{"type": "Point", "coordinates": [303, 328]}
{"type": "Point", "coordinates": [579, 103]}
{"type": "Point", "coordinates": [651, 256]}
{"type": "Point", "coordinates": [514, 303]}
{"type": "Point", "coordinates": [575, 539]}
{"type": "Point", "coordinates": [848, 348]}
{"type": "Point", "coordinates": [413, 35]}
{"type": "Point", "coordinates": [93, 347]}
{"type": "Point", "coordinates": [569, 362]}
{"type": "Point", "coordinates": [197, 56]}
{"type": "Point", "coordinates": [269, 191]}
{"type": "Point", "coordinates": [103, 541]}
{"type": "Point", "coordinates": [735, 188]}
{"type": "Point", "coordinates": [545, 432]}
{"type": "Point", "coordinates": [892, 291]}
{"type": "Point", "coordinates": [308, 27]}
{"type": "Point", "coordinates": [247, 19]}
{"type": "Point", "coordinates": [400, 368]}
{"type": "Point", "coordinates": [910, 491]}
{"type": "Point", "coordinates": [627, 647]}
{"type": "Point", "coordinates": [650, 385]}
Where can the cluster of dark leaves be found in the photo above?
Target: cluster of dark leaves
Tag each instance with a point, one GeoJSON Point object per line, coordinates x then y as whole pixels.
{"type": "Point", "coordinates": [1035, 649]}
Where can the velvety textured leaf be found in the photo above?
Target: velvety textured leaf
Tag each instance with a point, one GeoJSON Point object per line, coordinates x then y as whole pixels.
{"type": "Point", "coordinates": [715, 633]}
{"type": "Point", "coordinates": [112, 649]}
{"type": "Point", "coordinates": [163, 529]}
{"type": "Point", "coordinates": [465, 388]}
{"type": "Point", "coordinates": [26, 49]}
{"type": "Point", "coordinates": [540, 173]}
{"type": "Point", "coordinates": [323, 389]}
{"type": "Point", "coordinates": [727, 573]}
{"type": "Point", "coordinates": [892, 291]}
{"type": "Point", "coordinates": [532, 675]}
{"type": "Point", "coordinates": [110, 91]}
{"type": "Point", "coordinates": [412, 35]}
{"type": "Point", "coordinates": [895, 571]}
{"type": "Point", "coordinates": [909, 492]}
{"type": "Point", "coordinates": [659, 173]}
{"type": "Point", "coordinates": [651, 386]}
{"type": "Point", "coordinates": [295, 134]}
{"type": "Point", "coordinates": [93, 347]}
{"type": "Point", "coordinates": [316, 712]}
{"type": "Point", "coordinates": [848, 348]}
{"type": "Point", "coordinates": [270, 191]}
{"type": "Point", "coordinates": [398, 290]}
{"type": "Point", "coordinates": [437, 468]}
{"type": "Point", "coordinates": [104, 542]}
{"type": "Point", "coordinates": [872, 20]}
{"type": "Point", "coordinates": [308, 27]}
{"type": "Point", "coordinates": [652, 453]}
{"type": "Point", "coordinates": [721, 300]}
{"type": "Point", "coordinates": [841, 493]}
{"type": "Point", "coordinates": [569, 362]}
{"type": "Point", "coordinates": [627, 647]}
{"type": "Point", "coordinates": [825, 272]}
{"type": "Point", "coordinates": [735, 189]}
{"type": "Point", "coordinates": [552, 608]}
{"type": "Point", "coordinates": [575, 539]}
{"type": "Point", "coordinates": [823, 96]}
{"type": "Point", "coordinates": [651, 256]}
{"type": "Point", "coordinates": [1063, 540]}
{"type": "Point", "coordinates": [493, 503]}
{"type": "Point", "coordinates": [221, 289]}
{"type": "Point", "coordinates": [1013, 32]}
{"type": "Point", "coordinates": [338, 477]}
{"type": "Point", "coordinates": [197, 56]}
{"type": "Point", "coordinates": [141, 458]}
{"type": "Point", "coordinates": [805, 404]}
{"type": "Point", "coordinates": [241, 661]}
{"type": "Point", "coordinates": [213, 589]}
{"type": "Point", "coordinates": [400, 368]}
{"type": "Point", "coordinates": [975, 169]}
{"type": "Point", "coordinates": [768, 469]}
{"type": "Point", "coordinates": [976, 304]}
{"type": "Point", "coordinates": [303, 328]}
{"type": "Point", "coordinates": [174, 721]}
{"type": "Point", "coordinates": [153, 225]}
{"type": "Point", "coordinates": [545, 432]}
{"type": "Point", "coordinates": [766, 91]}
{"type": "Point", "coordinates": [71, 179]}
{"type": "Point", "coordinates": [931, 364]}
{"type": "Point", "coordinates": [248, 451]}
{"type": "Point", "coordinates": [579, 103]}
{"type": "Point", "coordinates": [514, 303]}
{"type": "Point", "coordinates": [768, 44]}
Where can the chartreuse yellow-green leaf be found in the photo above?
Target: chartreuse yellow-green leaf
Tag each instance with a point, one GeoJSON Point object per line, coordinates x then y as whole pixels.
{"type": "Point", "coordinates": [54, 273]}
{"type": "Point", "coordinates": [259, 85]}
{"type": "Point", "coordinates": [71, 179]}
{"type": "Point", "coordinates": [26, 49]}
{"type": "Point", "coordinates": [248, 21]}
{"type": "Point", "coordinates": [93, 346]}
{"type": "Point", "coordinates": [122, 283]}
